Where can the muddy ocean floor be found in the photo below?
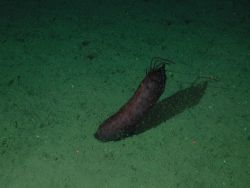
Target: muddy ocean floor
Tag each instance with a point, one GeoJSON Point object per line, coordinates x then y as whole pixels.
{"type": "Point", "coordinates": [66, 66]}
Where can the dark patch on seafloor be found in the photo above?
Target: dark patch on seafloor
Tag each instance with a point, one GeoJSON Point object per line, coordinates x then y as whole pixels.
{"type": "Point", "coordinates": [173, 105]}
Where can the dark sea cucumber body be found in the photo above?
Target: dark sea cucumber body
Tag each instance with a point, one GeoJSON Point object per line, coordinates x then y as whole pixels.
{"type": "Point", "coordinates": [124, 122]}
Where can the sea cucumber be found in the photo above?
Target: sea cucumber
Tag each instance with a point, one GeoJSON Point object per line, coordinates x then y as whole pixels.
{"type": "Point", "coordinates": [125, 121]}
